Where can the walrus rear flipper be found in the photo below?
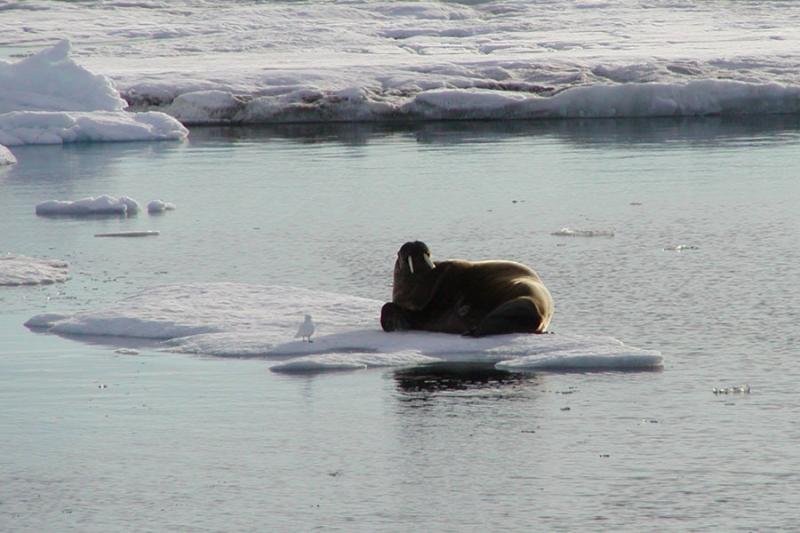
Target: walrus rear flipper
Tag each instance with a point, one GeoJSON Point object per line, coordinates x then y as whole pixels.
{"type": "Point", "coordinates": [519, 315]}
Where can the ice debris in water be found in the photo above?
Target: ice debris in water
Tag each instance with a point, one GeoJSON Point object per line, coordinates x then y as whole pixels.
{"type": "Point", "coordinates": [741, 389]}
{"type": "Point", "coordinates": [101, 205]}
{"type": "Point", "coordinates": [681, 247]}
{"type": "Point", "coordinates": [569, 232]}
{"type": "Point", "coordinates": [159, 206]}
{"type": "Point", "coordinates": [6, 157]}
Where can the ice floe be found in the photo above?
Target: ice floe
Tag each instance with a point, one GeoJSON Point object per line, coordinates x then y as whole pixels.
{"type": "Point", "coordinates": [22, 270]}
{"type": "Point", "coordinates": [48, 98]}
{"type": "Point", "coordinates": [241, 320]}
{"type": "Point", "coordinates": [100, 205]}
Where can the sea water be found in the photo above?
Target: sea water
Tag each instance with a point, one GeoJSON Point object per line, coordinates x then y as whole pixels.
{"type": "Point", "coordinates": [695, 255]}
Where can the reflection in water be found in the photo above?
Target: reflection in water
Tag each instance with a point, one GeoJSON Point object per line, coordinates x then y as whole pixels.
{"type": "Point", "coordinates": [628, 132]}
{"type": "Point", "coordinates": [447, 376]}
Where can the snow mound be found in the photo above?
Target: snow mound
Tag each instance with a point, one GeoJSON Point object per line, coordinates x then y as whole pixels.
{"type": "Point", "coordinates": [22, 270]}
{"type": "Point", "coordinates": [50, 81]}
{"type": "Point", "coordinates": [48, 98]}
{"type": "Point", "coordinates": [241, 320]}
{"type": "Point", "coordinates": [100, 205]}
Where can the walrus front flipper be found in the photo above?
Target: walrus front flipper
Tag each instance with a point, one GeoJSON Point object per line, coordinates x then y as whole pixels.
{"type": "Point", "coordinates": [395, 318]}
{"type": "Point", "coordinates": [519, 315]}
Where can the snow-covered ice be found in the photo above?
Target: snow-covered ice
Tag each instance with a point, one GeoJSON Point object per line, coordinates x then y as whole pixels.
{"type": "Point", "coordinates": [237, 62]}
{"type": "Point", "coordinates": [241, 320]}
{"type": "Point", "coordinates": [159, 206]}
{"type": "Point", "coordinates": [22, 270]}
{"type": "Point", "coordinates": [48, 98]}
{"type": "Point", "coordinates": [90, 206]}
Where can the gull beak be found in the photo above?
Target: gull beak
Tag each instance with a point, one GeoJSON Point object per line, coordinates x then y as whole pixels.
{"type": "Point", "coordinates": [410, 264]}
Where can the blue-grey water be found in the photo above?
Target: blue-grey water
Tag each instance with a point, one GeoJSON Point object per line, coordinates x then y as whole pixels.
{"type": "Point", "coordinates": [93, 440]}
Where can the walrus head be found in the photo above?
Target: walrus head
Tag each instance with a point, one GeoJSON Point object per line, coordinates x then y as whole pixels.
{"type": "Point", "coordinates": [414, 258]}
{"type": "Point", "coordinates": [413, 262]}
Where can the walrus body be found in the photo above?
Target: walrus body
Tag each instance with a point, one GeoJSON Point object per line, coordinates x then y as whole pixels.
{"type": "Point", "coordinates": [465, 297]}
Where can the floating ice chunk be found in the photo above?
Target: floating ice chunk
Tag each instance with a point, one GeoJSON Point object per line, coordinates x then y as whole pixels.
{"type": "Point", "coordinates": [740, 389]}
{"type": "Point", "coordinates": [681, 247]}
{"type": "Point", "coordinates": [568, 232]}
{"type": "Point", "coordinates": [159, 206]}
{"type": "Point", "coordinates": [100, 205]}
{"type": "Point", "coordinates": [6, 157]}
{"type": "Point", "coordinates": [129, 234]}
{"type": "Point", "coordinates": [49, 99]}
{"type": "Point", "coordinates": [233, 319]}
{"type": "Point", "coordinates": [22, 270]}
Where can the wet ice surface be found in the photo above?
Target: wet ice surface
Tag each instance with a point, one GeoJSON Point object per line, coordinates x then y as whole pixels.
{"type": "Point", "coordinates": [96, 439]}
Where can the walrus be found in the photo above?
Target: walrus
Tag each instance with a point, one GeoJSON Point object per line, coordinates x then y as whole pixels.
{"type": "Point", "coordinates": [474, 298]}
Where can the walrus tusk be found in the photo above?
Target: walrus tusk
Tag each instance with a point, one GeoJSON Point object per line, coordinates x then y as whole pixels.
{"type": "Point", "coordinates": [410, 264]}
{"type": "Point", "coordinates": [428, 260]}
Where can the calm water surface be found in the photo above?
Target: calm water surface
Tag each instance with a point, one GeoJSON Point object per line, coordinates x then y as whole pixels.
{"type": "Point", "coordinates": [175, 442]}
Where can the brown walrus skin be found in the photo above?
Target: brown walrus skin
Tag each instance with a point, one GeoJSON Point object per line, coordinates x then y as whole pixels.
{"type": "Point", "coordinates": [467, 297]}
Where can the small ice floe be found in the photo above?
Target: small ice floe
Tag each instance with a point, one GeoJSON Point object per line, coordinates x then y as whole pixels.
{"type": "Point", "coordinates": [741, 389]}
{"type": "Point", "coordinates": [246, 320]}
{"type": "Point", "coordinates": [126, 351]}
{"type": "Point", "coordinates": [100, 205]}
{"type": "Point", "coordinates": [569, 232]}
{"type": "Point", "coordinates": [129, 234]}
{"type": "Point", "coordinates": [6, 157]}
{"type": "Point", "coordinates": [159, 206]}
{"type": "Point", "coordinates": [306, 329]}
{"type": "Point", "coordinates": [21, 270]}
{"type": "Point", "coordinates": [681, 247]}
